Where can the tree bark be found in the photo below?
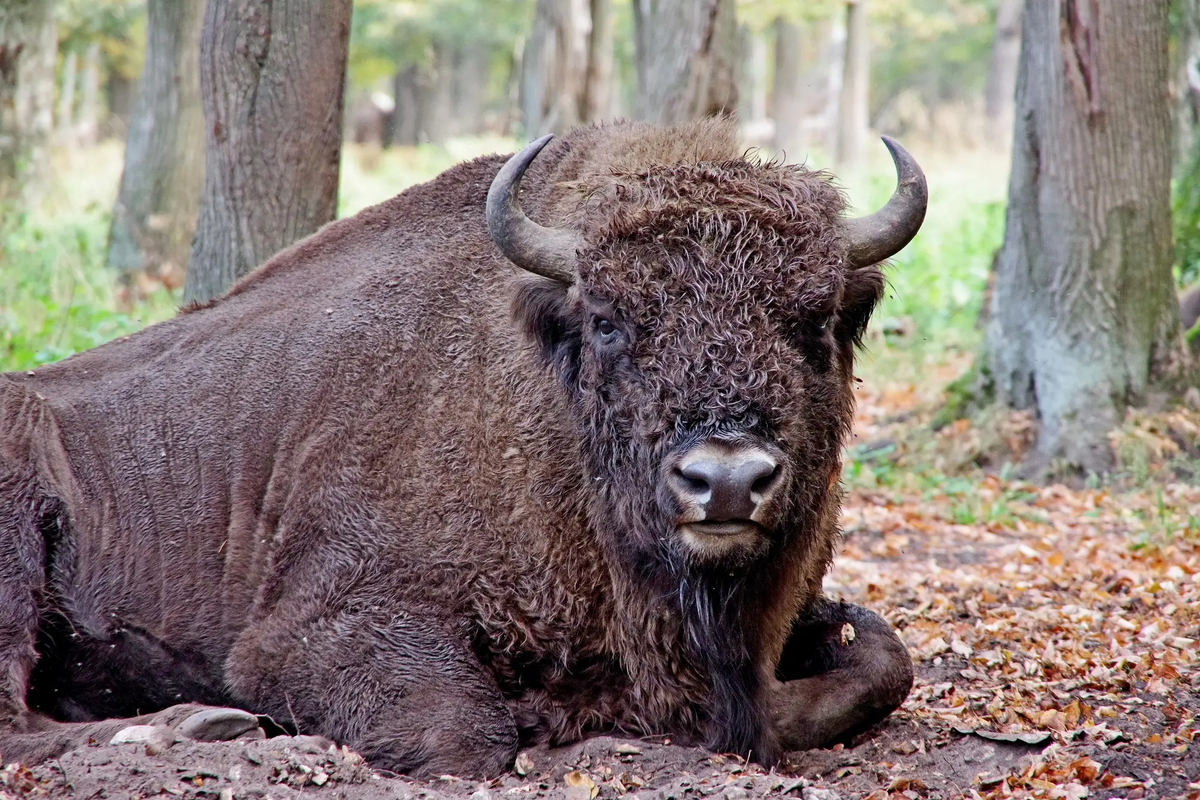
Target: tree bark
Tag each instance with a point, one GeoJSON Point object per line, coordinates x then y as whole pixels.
{"type": "Point", "coordinates": [597, 78]}
{"type": "Point", "coordinates": [1187, 89]}
{"type": "Point", "coordinates": [787, 99]}
{"type": "Point", "coordinates": [271, 81]}
{"type": "Point", "coordinates": [406, 124]}
{"type": "Point", "coordinates": [28, 44]}
{"type": "Point", "coordinates": [1084, 320]}
{"type": "Point", "coordinates": [553, 66]}
{"type": "Point", "coordinates": [686, 58]}
{"type": "Point", "coordinates": [852, 105]}
{"type": "Point", "coordinates": [1000, 88]}
{"type": "Point", "coordinates": [154, 217]}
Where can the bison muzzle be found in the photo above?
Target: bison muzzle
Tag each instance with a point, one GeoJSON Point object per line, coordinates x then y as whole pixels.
{"type": "Point", "coordinates": [394, 490]}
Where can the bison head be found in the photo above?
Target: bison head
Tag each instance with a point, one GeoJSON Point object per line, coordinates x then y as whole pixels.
{"type": "Point", "coordinates": [703, 318]}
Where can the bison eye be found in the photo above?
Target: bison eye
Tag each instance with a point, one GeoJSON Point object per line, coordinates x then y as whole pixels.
{"type": "Point", "coordinates": [606, 330]}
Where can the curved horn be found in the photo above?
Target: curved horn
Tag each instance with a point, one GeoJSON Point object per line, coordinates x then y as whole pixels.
{"type": "Point", "coordinates": [549, 252]}
{"type": "Point", "coordinates": [878, 236]}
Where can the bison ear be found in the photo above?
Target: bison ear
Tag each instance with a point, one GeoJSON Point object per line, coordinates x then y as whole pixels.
{"type": "Point", "coordinates": [553, 321]}
{"type": "Point", "coordinates": [863, 291]}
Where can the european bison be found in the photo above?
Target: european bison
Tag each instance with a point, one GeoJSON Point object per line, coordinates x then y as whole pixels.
{"type": "Point", "coordinates": [397, 491]}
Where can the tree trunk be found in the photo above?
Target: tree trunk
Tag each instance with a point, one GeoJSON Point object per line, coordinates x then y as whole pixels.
{"type": "Point", "coordinates": [440, 100]}
{"type": "Point", "coordinates": [998, 92]}
{"type": "Point", "coordinates": [787, 99]}
{"type": "Point", "coordinates": [89, 96]}
{"type": "Point", "coordinates": [553, 66]}
{"type": "Point", "coordinates": [470, 74]}
{"type": "Point", "coordinates": [271, 80]}
{"type": "Point", "coordinates": [1084, 320]}
{"type": "Point", "coordinates": [852, 105]}
{"type": "Point", "coordinates": [686, 58]}
{"type": "Point", "coordinates": [754, 91]}
{"type": "Point", "coordinates": [28, 44]}
{"type": "Point", "coordinates": [406, 122]}
{"type": "Point", "coordinates": [597, 78]}
{"type": "Point", "coordinates": [155, 214]}
{"type": "Point", "coordinates": [66, 98]}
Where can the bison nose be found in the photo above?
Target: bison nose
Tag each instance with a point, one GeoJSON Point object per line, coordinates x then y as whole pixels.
{"type": "Point", "coordinates": [725, 484]}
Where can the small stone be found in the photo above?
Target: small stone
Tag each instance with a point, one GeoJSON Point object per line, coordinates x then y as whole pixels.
{"type": "Point", "coordinates": [809, 793]}
{"type": "Point", "coordinates": [226, 794]}
{"type": "Point", "coordinates": [156, 738]}
{"type": "Point", "coordinates": [319, 777]}
{"type": "Point", "coordinates": [735, 793]}
{"type": "Point", "coordinates": [626, 749]}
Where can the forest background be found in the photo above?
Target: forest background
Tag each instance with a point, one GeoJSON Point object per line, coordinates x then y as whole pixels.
{"type": "Point", "coordinates": [964, 514]}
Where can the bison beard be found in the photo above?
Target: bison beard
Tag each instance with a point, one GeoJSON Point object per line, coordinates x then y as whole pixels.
{"type": "Point", "coordinates": [393, 490]}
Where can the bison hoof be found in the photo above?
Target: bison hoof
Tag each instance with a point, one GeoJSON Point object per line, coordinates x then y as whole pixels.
{"type": "Point", "coordinates": [217, 725]}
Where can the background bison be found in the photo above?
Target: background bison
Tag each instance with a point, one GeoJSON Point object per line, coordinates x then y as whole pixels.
{"type": "Point", "coordinates": [392, 490]}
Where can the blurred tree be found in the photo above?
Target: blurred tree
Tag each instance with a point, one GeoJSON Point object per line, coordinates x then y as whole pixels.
{"type": "Point", "coordinates": [999, 91]}
{"type": "Point", "coordinates": [271, 81]}
{"type": "Point", "coordinates": [405, 45]}
{"type": "Point", "coordinates": [28, 45]}
{"type": "Point", "coordinates": [597, 79]}
{"type": "Point", "coordinates": [788, 97]}
{"type": "Point", "coordinates": [686, 58]}
{"type": "Point", "coordinates": [1084, 321]}
{"type": "Point", "coordinates": [852, 104]}
{"type": "Point", "coordinates": [155, 214]}
{"type": "Point", "coordinates": [553, 66]}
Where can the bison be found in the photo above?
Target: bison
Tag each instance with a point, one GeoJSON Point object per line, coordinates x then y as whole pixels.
{"type": "Point", "coordinates": [474, 468]}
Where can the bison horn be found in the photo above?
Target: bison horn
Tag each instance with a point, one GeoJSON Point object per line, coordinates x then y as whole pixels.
{"type": "Point", "coordinates": [873, 238]}
{"type": "Point", "coordinates": [549, 252]}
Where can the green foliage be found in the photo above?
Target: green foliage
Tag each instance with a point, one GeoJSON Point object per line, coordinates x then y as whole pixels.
{"type": "Point", "coordinates": [386, 35]}
{"type": "Point", "coordinates": [1185, 219]}
{"type": "Point", "coordinates": [56, 296]}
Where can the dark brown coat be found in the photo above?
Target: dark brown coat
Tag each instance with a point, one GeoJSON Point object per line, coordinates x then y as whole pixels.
{"type": "Point", "coordinates": [354, 495]}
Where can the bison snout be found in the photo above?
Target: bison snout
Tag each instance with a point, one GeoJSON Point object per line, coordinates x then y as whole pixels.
{"type": "Point", "coordinates": [717, 482]}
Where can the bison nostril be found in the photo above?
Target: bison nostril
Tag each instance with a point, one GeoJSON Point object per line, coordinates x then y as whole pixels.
{"type": "Point", "coordinates": [763, 483]}
{"type": "Point", "coordinates": [696, 478]}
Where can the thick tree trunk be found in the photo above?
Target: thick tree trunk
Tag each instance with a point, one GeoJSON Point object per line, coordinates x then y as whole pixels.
{"type": "Point", "coordinates": [787, 99]}
{"type": "Point", "coordinates": [89, 96]}
{"type": "Point", "coordinates": [852, 105]}
{"type": "Point", "coordinates": [553, 66]}
{"type": "Point", "coordinates": [597, 78]}
{"type": "Point", "coordinates": [999, 91]}
{"type": "Point", "coordinates": [28, 45]}
{"type": "Point", "coordinates": [686, 58]}
{"type": "Point", "coordinates": [155, 214]}
{"type": "Point", "coordinates": [1084, 320]}
{"type": "Point", "coordinates": [271, 79]}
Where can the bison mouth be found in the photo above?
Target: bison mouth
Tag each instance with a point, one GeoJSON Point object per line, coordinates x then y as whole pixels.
{"type": "Point", "coordinates": [724, 543]}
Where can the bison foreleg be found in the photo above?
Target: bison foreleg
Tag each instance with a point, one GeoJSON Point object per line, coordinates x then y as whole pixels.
{"type": "Point", "coordinates": [843, 669]}
{"type": "Point", "coordinates": [397, 687]}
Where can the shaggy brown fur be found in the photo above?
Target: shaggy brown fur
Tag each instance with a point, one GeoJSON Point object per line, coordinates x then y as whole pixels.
{"type": "Point", "coordinates": [353, 495]}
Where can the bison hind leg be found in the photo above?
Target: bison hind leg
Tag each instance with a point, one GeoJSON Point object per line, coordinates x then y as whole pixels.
{"type": "Point", "coordinates": [843, 669]}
